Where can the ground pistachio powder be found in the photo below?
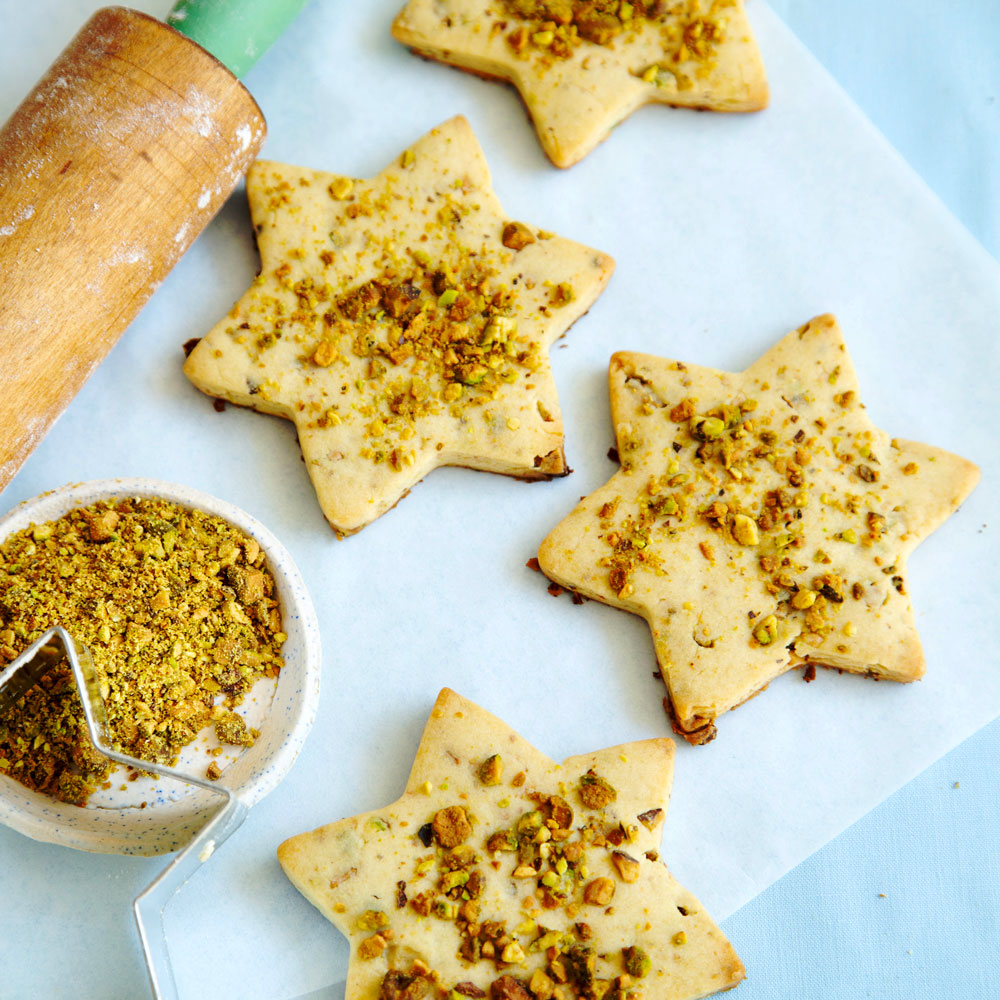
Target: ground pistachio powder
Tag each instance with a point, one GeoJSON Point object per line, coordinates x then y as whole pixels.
{"type": "Point", "coordinates": [179, 611]}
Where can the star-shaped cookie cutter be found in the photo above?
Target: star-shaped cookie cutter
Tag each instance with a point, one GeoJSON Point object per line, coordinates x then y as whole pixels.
{"type": "Point", "coordinates": [16, 679]}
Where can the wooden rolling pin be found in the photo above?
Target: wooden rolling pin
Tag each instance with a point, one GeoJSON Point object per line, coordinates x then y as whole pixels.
{"type": "Point", "coordinates": [109, 169]}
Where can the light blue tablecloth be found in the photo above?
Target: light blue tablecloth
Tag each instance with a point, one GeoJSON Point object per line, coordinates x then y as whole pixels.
{"type": "Point", "coordinates": [906, 903]}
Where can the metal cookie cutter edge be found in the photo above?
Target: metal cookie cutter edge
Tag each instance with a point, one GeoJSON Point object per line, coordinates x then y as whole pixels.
{"type": "Point", "coordinates": [18, 677]}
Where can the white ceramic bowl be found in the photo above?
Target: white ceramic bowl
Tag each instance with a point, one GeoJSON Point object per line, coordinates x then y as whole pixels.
{"type": "Point", "coordinates": [155, 815]}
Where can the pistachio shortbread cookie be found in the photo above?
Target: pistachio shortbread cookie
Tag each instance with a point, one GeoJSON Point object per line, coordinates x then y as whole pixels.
{"type": "Point", "coordinates": [501, 873]}
{"type": "Point", "coordinates": [759, 522]}
{"type": "Point", "coordinates": [582, 66]}
{"type": "Point", "coordinates": [402, 323]}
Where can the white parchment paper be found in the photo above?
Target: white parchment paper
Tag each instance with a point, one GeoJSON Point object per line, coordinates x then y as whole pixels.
{"type": "Point", "coordinates": [728, 231]}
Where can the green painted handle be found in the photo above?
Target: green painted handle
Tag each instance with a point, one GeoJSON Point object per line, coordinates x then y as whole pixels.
{"type": "Point", "coordinates": [236, 32]}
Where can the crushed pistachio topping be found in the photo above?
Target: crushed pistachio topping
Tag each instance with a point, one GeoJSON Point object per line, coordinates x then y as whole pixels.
{"type": "Point", "coordinates": [180, 614]}
{"type": "Point", "coordinates": [750, 476]}
{"type": "Point", "coordinates": [595, 792]}
{"type": "Point", "coordinates": [491, 770]}
{"type": "Point", "coordinates": [636, 961]}
{"type": "Point", "coordinates": [341, 188]}
{"type": "Point", "coordinates": [767, 631]}
{"type": "Point", "coordinates": [372, 920]}
{"type": "Point", "coordinates": [451, 826]}
{"type": "Point", "coordinates": [434, 338]}
{"type": "Point", "coordinates": [552, 852]}
{"type": "Point", "coordinates": [687, 33]}
{"type": "Point", "coordinates": [516, 236]}
{"type": "Point", "coordinates": [627, 866]}
{"type": "Point", "coordinates": [232, 729]}
{"type": "Point", "coordinates": [650, 818]}
{"type": "Point", "coordinates": [434, 331]}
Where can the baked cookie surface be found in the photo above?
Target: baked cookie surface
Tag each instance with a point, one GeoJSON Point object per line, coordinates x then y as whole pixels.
{"type": "Point", "coordinates": [403, 323]}
{"type": "Point", "coordinates": [759, 522]}
{"type": "Point", "coordinates": [582, 66]}
{"type": "Point", "coordinates": [501, 873]}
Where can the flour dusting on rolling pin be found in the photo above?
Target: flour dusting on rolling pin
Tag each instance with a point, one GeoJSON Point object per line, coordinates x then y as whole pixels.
{"type": "Point", "coordinates": [110, 168]}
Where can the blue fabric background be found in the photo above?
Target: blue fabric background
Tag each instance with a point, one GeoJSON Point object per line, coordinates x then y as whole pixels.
{"type": "Point", "coordinates": [906, 903]}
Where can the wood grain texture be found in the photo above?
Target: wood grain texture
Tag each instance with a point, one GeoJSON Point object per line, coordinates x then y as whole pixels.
{"type": "Point", "coordinates": [109, 169]}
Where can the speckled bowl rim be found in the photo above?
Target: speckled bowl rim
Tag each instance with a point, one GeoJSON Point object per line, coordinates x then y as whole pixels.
{"type": "Point", "coordinates": [172, 823]}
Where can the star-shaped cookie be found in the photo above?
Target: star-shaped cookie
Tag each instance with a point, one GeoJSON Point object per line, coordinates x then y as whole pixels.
{"type": "Point", "coordinates": [501, 873]}
{"type": "Point", "coordinates": [402, 323]}
{"type": "Point", "coordinates": [759, 521]}
{"type": "Point", "coordinates": [583, 66]}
